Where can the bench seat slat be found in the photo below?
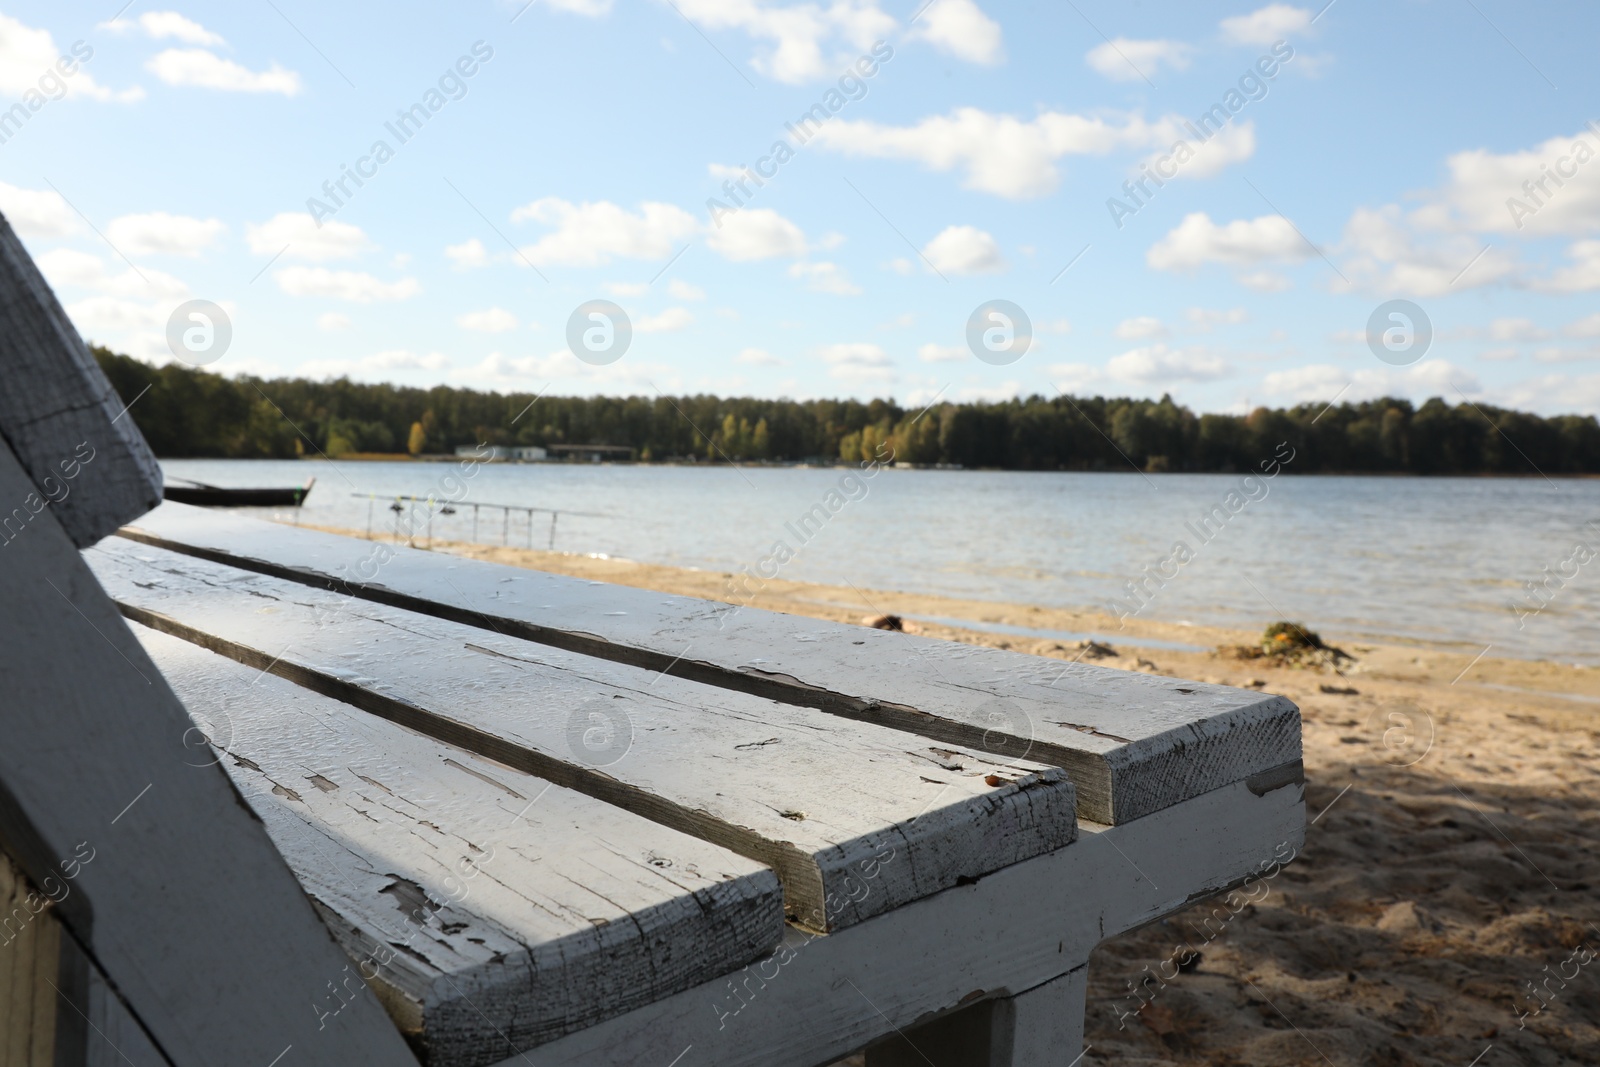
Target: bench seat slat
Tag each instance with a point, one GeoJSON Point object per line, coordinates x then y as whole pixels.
{"type": "Point", "coordinates": [491, 911]}
{"type": "Point", "coordinates": [855, 819]}
{"type": "Point", "coordinates": [1133, 743]}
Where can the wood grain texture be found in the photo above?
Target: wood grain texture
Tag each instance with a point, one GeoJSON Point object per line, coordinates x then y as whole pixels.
{"type": "Point", "coordinates": [59, 414]}
{"type": "Point", "coordinates": [184, 883]}
{"type": "Point", "coordinates": [1133, 743]}
{"type": "Point", "coordinates": [491, 910]}
{"type": "Point", "coordinates": [821, 999]}
{"type": "Point", "coordinates": [855, 819]}
{"type": "Point", "coordinates": [30, 953]}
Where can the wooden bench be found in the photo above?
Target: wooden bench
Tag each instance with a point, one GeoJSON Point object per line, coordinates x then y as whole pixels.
{"type": "Point", "coordinates": [550, 821]}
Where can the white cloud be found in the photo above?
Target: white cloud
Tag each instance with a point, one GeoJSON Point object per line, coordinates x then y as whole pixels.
{"type": "Point", "coordinates": [1516, 330]}
{"type": "Point", "coordinates": [1154, 364]}
{"type": "Point", "coordinates": [1266, 25]}
{"type": "Point", "coordinates": [493, 320]}
{"type": "Point", "coordinates": [68, 267]}
{"type": "Point", "coordinates": [158, 233]}
{"type": "Point", "coordinates": [858, 362]}
{"type": "Point", "coordinates": [207, 70]}
{"type": "Point", "coordinates": [332, 321]}
{"type": "Point", "coordinates": [1498, 354]}
{"type": "Point", "coordinates": [1388, 257]}
{"type": "Point", "coordinates": [1500, 193]}
{"type": "Point", "coordinates": [403, 359]}
{"type": "Point", "coordinates": [960, 28]}
{"type": "Point", "coordinates": [1125, 60]}
{"type": "Point", "coordinates": [1320, 382]}
{"type": "Point", "coordinates": [350, 285]}
{"type": "Point", "coordinates": [1555, 393]}
{"type": "Point", "coordinates": [1234, 143]}
{"type": "Point", "coordinates": [1204, 319]}
{"type": "Point", "coordinates": [1074, 378]}
{"type": "Point", "coordinates": [1557, 354]}
{"type": "Point", "coordinates": [388, 361]}
{"type": "Point", "coordinates": [591, 234]}
{"type": "Point", "coordinates": [1197, 241]}
{"type": "Point", "coordinates": [590, 8]}
{"type": "Point", "coordinates": [627, 288]}
{"type": "Point", "coordinates": [799, 34]}
{"type": "Point", "coordinates": [304, 238]}
{"type": "Point", "coordinates": [468, 254]}
{"type": "Point", "coordinates": [932, 353]}
{"type": "Point", "coordinates": [964, 250]}
{"type": "Point", "coordinates": [562, 372]}
{"type": "Point", "coordinates": [825, 278]}
{"type": "Point", "coordinates": [135, 327]}
{"type": "Point", "coordinates": [758, 357]}
{"type": "Point", "coordinates": [28, 55]}
{"type": "Point", "coordinates": [1265, 281]}
{"type": "Point", "coordinates": [684, 291]}
{"type": "Point", "coordinates": [1000, 154]}
{"type": "Point", "coordinates": [37, 212]}
{"type": "Point", "coordinates": [1142, 328]}
{"type": "Point", "coordinates": [1582, 276]}
{"type": "Point", "coordinates": [161, 25]}
{"type": "Point", "coordinates": [669, 321]}
{"type": "Point", "coordinates": [1588, 326]}
{"type": "Point", "coordinates": [756, 234]}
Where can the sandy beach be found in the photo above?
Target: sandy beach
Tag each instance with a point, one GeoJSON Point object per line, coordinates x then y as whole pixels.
{"type": "Point", "coordinates": [1446, 906]}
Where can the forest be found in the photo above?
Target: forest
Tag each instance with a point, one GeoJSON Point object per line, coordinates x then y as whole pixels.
{"type": "Point", "coordinates": [190, 413]}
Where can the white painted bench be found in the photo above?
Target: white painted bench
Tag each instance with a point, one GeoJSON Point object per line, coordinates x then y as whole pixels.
{"type": "Point", "coordinates": [933, 842]}
{"type": "Point", "coordinates": [552, 821]}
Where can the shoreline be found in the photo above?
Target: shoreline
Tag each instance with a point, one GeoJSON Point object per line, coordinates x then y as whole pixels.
{"type": "Point", "coordinates": [1177, 648]}
{"type": "Point", "coordinates": [1452, 804]}
{"type": "Point", "coordinates": [707, 464]}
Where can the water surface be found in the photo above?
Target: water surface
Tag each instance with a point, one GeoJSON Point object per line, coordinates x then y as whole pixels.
{"type": "Point", "coordinates": [1358, 558]}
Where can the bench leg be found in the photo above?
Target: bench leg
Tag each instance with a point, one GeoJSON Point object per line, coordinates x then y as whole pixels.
{"type": "Point", "coordinates": [1042, 1027]}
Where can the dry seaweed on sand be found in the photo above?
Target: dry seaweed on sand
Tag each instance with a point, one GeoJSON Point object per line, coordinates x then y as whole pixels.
{"type": "Point", "coordinates": [1289, 644]}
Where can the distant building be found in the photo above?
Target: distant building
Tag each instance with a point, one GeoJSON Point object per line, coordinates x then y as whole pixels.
{"type": "Point", "coordinates": [502, 453]}
{"type": "Point", "coordinates": [594, 453]}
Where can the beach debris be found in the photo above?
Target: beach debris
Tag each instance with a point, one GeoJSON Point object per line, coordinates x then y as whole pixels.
{"type": "Point", "coordinates": [1253, 683]}
{"type": "Point", "coordinates": [891, 622]}
{"type": "Point", "coordinates": [1092, 649]}
{"type": "Point", "coordinates": [1340, 690]}
{"type": "Point", "coordinates": [1289, 644]}
{"type": "Point", "coordinates": [1145, 665]}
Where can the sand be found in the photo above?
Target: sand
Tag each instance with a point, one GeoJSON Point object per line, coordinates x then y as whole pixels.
{"type": "Point", "coordinates": [1451, 864]}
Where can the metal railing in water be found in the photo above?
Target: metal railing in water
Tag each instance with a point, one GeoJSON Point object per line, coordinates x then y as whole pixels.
{"type": "Point", "coordinates": [437, 505]}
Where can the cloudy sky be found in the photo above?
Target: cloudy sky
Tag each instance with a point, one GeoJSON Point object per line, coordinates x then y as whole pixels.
{"type": "Point", "coordinates": [1203, 199]}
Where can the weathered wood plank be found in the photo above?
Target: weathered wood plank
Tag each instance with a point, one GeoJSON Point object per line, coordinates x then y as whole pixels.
{"type": "Point", "coordinates": [855, 819]}
{"type": "Point", "coordinates": [30, 953]}
{"type": "Point", "coordinates": [89, 465]}
{"type": "Point", "coordinates": [822, 999]}
{"type": "Point", "coordinates": [491, 910]}
{"type": "Point", "coordinates": [56, 1009]}
{"type": "Point", "coordinates": [1133, 743]}
{"type": "Point", "coordinates": [184, 883]}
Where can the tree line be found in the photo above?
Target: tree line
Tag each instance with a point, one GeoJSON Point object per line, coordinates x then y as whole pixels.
{"type": "Point", "coordinates": [189, 413]}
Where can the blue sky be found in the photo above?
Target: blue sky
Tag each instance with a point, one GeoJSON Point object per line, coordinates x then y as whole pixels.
{"type": "Point", "coordinates": [576, 161]}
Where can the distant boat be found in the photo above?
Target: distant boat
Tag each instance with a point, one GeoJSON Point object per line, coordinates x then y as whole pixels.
{"type": "Point", "coordinates": [216, 496]}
